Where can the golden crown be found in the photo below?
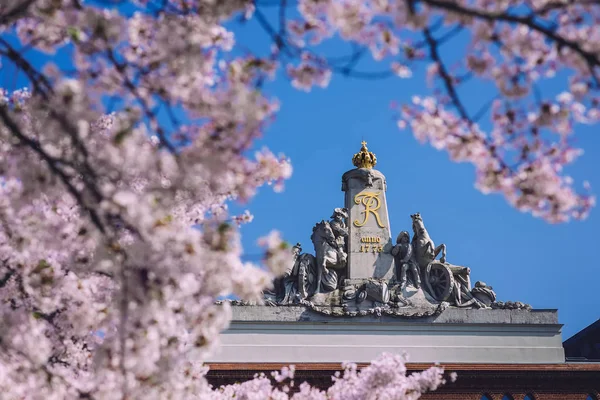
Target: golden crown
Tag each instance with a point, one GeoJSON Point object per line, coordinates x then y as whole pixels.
{"type": "Point", "coordinates": [364, 158]}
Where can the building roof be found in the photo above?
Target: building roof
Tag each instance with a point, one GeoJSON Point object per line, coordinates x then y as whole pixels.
{"type": "Point", "coordinates": [584, 346]}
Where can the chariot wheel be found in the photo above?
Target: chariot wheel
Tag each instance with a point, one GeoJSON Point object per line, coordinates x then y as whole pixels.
{"type": "Point", "coordinates": [439, 280]}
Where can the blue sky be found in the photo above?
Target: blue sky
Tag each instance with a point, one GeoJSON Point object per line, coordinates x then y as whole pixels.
{"type": "Point", "coordinates": [523, 258]}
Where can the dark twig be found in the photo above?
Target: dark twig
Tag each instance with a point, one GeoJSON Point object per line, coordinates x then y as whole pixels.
{"type": "Point", "coordinates": [443, 72]}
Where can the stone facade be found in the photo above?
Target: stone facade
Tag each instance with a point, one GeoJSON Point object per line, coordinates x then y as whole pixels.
{"type": "Point", "coordinates": [297, 335]}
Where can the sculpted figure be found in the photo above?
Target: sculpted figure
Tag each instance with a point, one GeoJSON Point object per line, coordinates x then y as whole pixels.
{"type": "Point", "coordinates": [299, 281]}
{"type": "Point", "coordinates": [405, 260]}
{"type": "Point", "coordinates": [423, 246]}
{"type": "Point", "coordinates": [461, 295]}
{"type": "Point", "coordinates": [308, 274]}
{"type": "Point", "coordinates": [339, 228]}
{"type": "Point", "coordinates": [455, 289]}
{"type": "Point", "coordinates": [329, 239]}
{"type": "Point", "coordinates": [286, 287]}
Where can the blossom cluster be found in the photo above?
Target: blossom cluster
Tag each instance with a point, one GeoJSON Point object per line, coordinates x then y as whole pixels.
{"type": "Point", "coordinates": [537, 184]}
{"type": "Point", "coordinates": [385, 378]}
{"type": "Point", "coordinates": [113, 285]}
{"type": "Point", "coordinates": [115, 239]}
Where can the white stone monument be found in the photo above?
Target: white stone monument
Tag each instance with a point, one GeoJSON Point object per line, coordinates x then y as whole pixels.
{"type": "Point", "coordinates": [369, 233]}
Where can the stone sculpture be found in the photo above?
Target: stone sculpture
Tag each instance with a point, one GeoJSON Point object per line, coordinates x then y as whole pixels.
{"type": "Point", "coordinates": [425, 250]}
{"type": "Point", "coordinates": [462, 296]}
{"type": "Point", "coordinates": [286, 287]}
{"type": "Point", "coordinates": [329, 240]}
{"type": "Point", "coordinates": [369, 236]}
{"type": "Point", "coordinates": [306, 279]}
{"type": "Point", "coordinates": [311, 274]}
{"type": "Point", "coordinates": [405, 260]}
{"type": "Point", "coordinates": [298, 282]}
{"type": "Point", "coordinates": [444, 282]}
{"type": "Point", "coordinates": [484, 293]}
{"type": "Point", "coordinates": [340, 229]}
{"type": "Point", "coordinates": [355, 269]}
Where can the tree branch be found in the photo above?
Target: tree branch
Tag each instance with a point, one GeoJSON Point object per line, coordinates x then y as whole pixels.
{"type": "Point", "coordinates": [591, 59]}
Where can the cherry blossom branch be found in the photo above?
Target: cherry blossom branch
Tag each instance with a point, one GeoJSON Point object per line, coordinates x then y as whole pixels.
{"type": "Point", "coordinates": [133, 89]}
{"type": "Point", "coordinates": [39, 81]}
{"type": "Point", "coordinates": [443, 72]}
{"type": "Point", "coordinates": [278, 37]}
{"type": "Point", "coordinates": [43, 86]}
{"type": "Point", "coordinates": [53, 164]}
{"type": "Point", "coordinates": [530, 21]}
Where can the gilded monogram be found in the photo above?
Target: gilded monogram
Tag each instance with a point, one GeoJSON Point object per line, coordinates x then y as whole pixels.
{"type": "Point", "coordinates": [372, 203]}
